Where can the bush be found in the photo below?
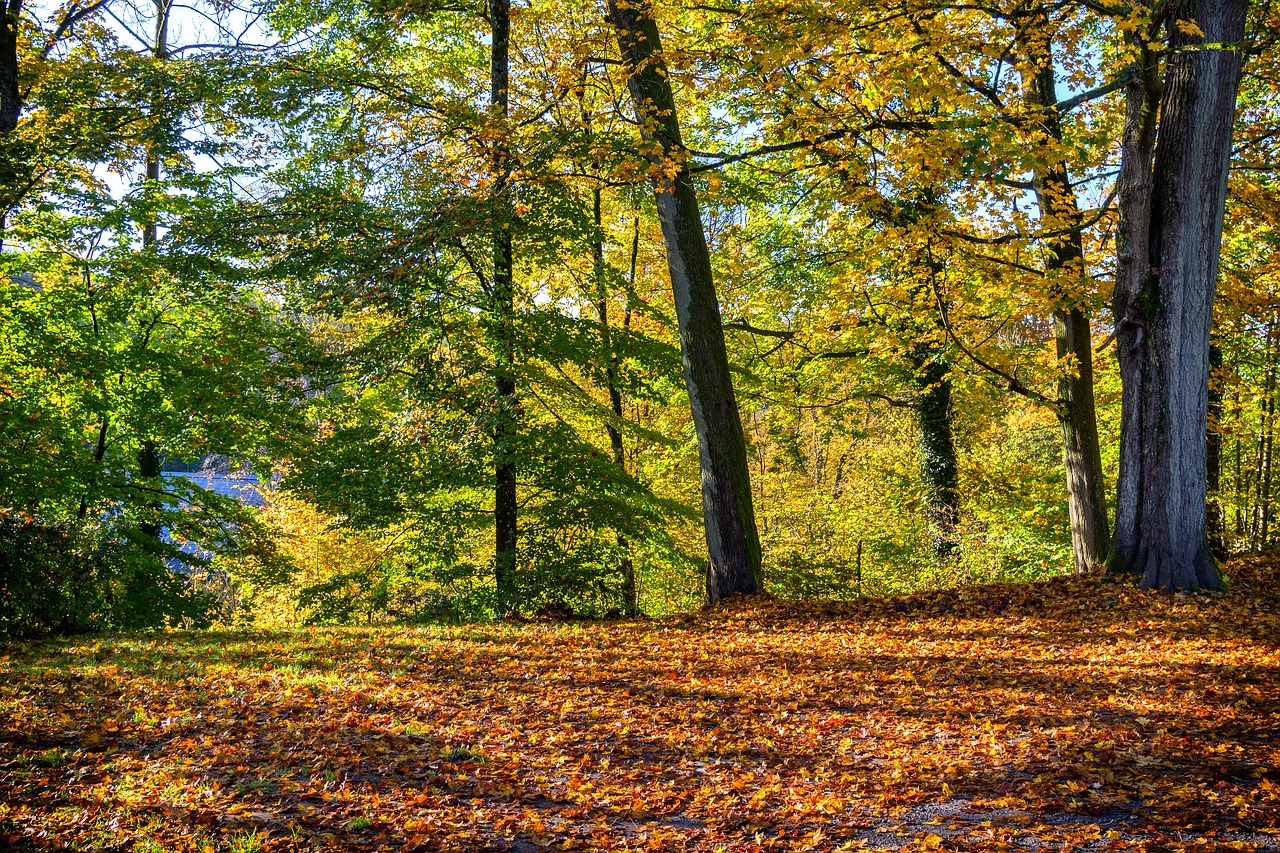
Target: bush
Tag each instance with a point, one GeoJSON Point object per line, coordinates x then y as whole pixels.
{"type": "Point", "coordinates": [69, 577]}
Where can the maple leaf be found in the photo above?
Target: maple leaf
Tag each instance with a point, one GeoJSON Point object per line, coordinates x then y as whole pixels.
{"type": "Point", "coordinates": [1189, 27]}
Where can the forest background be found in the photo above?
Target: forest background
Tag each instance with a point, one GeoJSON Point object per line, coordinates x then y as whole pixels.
{"type": "Point", "coordinates": [328, 244]}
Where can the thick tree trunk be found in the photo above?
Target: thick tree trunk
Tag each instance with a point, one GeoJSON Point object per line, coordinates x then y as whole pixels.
{"type": "Point", "coordinates": [939, 473]}
{"type": "Point", "coordinates": [630, 601]}
{"type": "Point", "coordinates": [1077, 412]}
{"type": "Point", "coordinates": [1142, 98]}
{"type": "Point", "coordinates": [733, 543]}
{"type": "Point", "coordinates": [1164, 301]}
{"type": "Point", "coordinates": [1081, 449]}
{"type": "Point", "coordinates": [502, 318]}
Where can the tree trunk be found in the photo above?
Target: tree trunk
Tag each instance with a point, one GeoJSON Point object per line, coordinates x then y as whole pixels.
{"type": "Point", "coordinates": [1216, 519]}
{"type": "Point", "coordinates": [1142, 98]}
{"type": "Point", "coordinates": [938, 469]}
{"type": "Point", "coordinates": [1166, 276]}
{"type": "Point", "coordinates": [148, 455]}
{"type": "Point", "coordinates": [1259, 471]}
{"type": "Point", "coordinates": [1077, 413]}
{"type": "Point", "coordinates": [99, 451]}
{"type": "Point", "coordinates": [1266, 443]}
{"type": "Point", "coordinates": [161, 53]}
{"type": "Point", "coordinates": [502, 318]}
{"type": "Point", "coordinates": [733, 543]}
{"type": "Point", "coordinates": [10, 102]}
{"type": "Point", "coordinates": [149, 471]}
{"type": "Point", "coordinates": [630, 602]}
{"type": "Point", "coordinates": [10, 93]}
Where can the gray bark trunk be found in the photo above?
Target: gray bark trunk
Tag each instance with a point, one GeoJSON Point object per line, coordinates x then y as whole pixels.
{"type": "Point", "coordinates": [160, 51]}
{"type": "Point", "coordinates": [1076, 409]}
{"type": "Point", "coordinates": [1166, 277]}
{"type": "Point", "coordinates": [502, 317]}
{"type": "Point", "coordinates": [733, 543]}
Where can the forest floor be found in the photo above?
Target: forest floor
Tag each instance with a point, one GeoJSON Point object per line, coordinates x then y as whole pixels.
{"type": "Point", "coordinates": [1072, 714]}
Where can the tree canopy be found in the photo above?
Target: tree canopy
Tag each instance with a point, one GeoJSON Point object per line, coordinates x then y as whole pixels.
{"type": "Point", "coordinates": [609, 309]}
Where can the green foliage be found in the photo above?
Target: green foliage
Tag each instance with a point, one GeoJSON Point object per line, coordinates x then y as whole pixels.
{"type": "Point", "coordinates": [73, 578]}
{"type": "Point", "coordinates": [318, 306]}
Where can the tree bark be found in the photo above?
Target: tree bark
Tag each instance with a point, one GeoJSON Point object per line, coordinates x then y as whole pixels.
{"type": "Point", "coordinates": [148, 454]}
{"type": "Point", "coordinates": [630, 602]}
{"type": "Point", "coordinates": [1166, 277]}
{"type": "Point", "coordinates": [939, 472]}
{"type": "Point", "coordinates": [149, 470]}
{"type": "Point", "coordinates": [1266, 443]}
{"type": "Point", "coordinates": [10, 93]}
{"type": "Point", "coordinates": [1076, 409]}
{"type": "Point", "coordinates": [502, 318]}
{"type": "Point", "coordinates": [733, 543]}
{"type": "Point", "coordinates": [1216, 519]}
{"type": "Point", "coordinates": [10, 102]}
{"type": "Point", "coordinates": [160, 51]}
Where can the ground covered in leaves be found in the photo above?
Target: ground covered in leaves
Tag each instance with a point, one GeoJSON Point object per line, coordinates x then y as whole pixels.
{"type": "Point", "coordinates": [1071, 714]}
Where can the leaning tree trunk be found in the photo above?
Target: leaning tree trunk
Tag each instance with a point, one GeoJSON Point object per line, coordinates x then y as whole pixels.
{"type": "Point", "coordinates": [1166, 276]}
{"type": "Point", "coordinates": [733, 543]}
{"type": "Point", "coordinates": [1077, 413]}
{"type": "Point", "coordinates": [501, 320]}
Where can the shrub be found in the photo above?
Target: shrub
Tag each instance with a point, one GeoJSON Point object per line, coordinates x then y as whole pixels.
{"type": "Point", "coordinates": [74, 577]}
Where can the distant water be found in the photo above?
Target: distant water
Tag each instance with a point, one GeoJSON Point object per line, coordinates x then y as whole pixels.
{"type": "Point", "coordinates": [241, 486]}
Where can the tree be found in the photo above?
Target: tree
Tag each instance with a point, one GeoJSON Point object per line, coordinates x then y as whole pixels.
{"type": "Point", "coordinates": [1173, 185]}
{"type": "Point", "coordinates": [16, 156]}
{"type": "Point", "coordinates": [733, 543]}
{"type": "Point", "coordinates": [502, 315]}
{"type": "Point", "coordinates": [1060, 216]}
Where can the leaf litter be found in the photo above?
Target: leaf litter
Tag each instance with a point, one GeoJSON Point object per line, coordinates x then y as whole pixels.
{"type": "Point", "coordinates": [1070, 714]}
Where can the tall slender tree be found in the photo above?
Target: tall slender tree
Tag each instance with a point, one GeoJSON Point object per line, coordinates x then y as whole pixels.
{"type": "Point", "coordinates": [609, 355]}
{"type": "Point", "coordinates": [733, 543]}
{"type": "Point", "coordinates": [502, 315]}
{"type": "Point", "coordinates": [1060, 213]}
{"type": "Point", "coordinates": [148, 451]}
